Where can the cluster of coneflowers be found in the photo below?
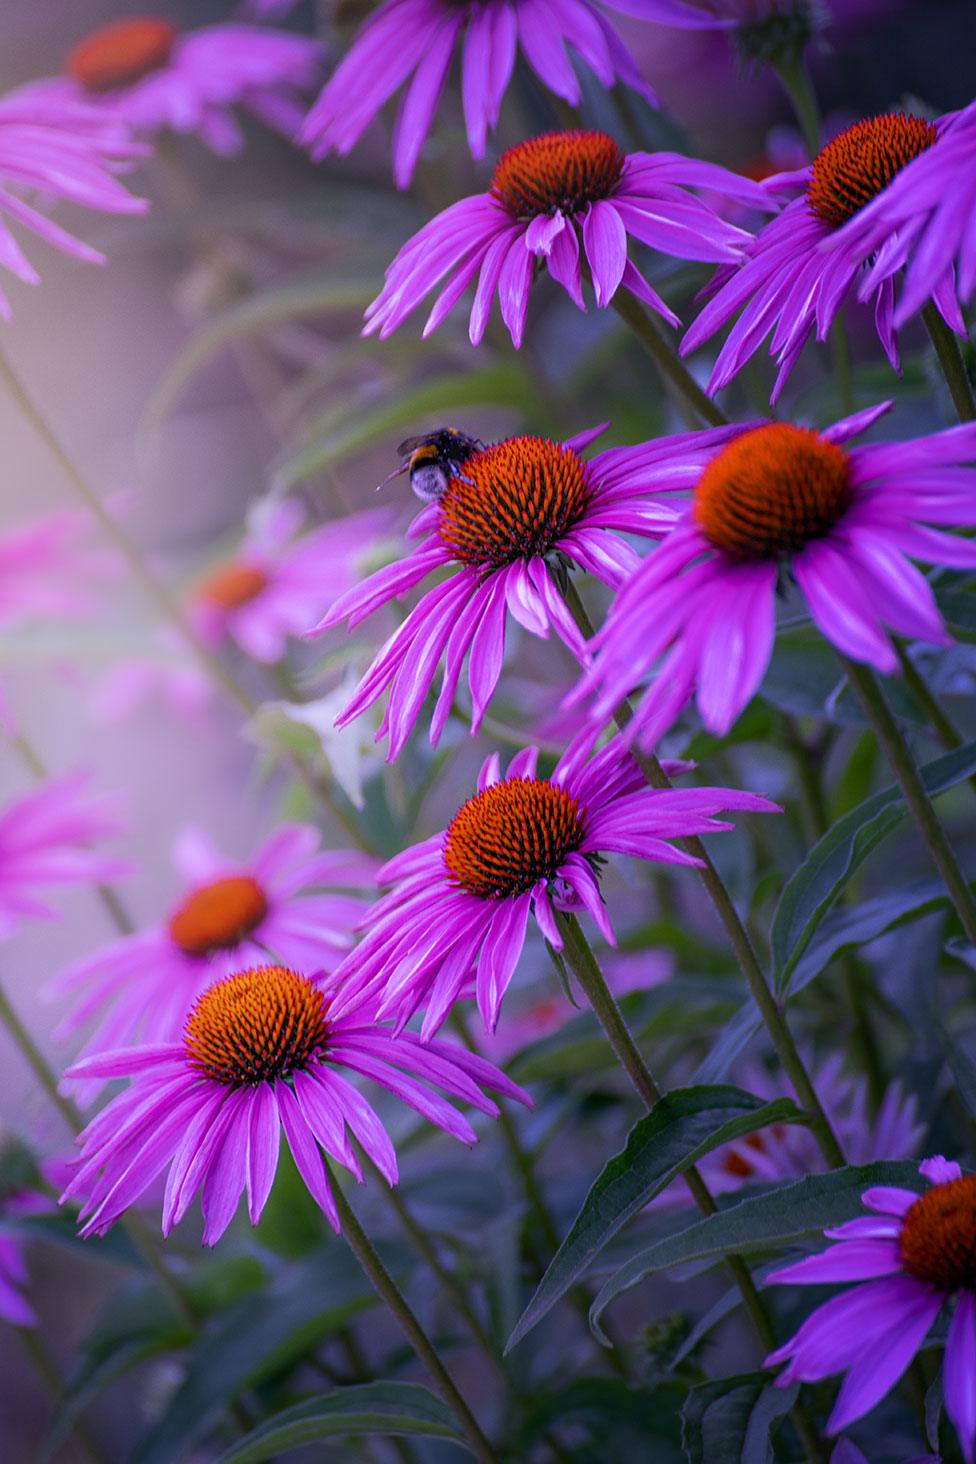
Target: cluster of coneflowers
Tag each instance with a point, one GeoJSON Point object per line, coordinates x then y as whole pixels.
{"type": "Point", "coordinates": [273, 991]}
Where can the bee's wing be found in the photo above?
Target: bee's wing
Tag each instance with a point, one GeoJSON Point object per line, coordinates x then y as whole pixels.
{"type": "Point", "coordinates": [410, 445]}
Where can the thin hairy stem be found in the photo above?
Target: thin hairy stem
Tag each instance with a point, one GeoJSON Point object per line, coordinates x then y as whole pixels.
{"type": "Point", "coordinates": [770, 1009]}
{"type": "Point", "coordinates": [633, 313]}
{"type": "Point", "coordinates": [580, 959]}
{"type": "Point", "coordinates": [865, 686]}
{"type": "Point", "coordinates": [387, 1289]}
{"type": "Point", "coordinates": [951, 362]}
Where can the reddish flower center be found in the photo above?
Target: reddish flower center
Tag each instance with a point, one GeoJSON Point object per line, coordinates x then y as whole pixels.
{"type": "Point", "coordinates": [861, 162]}
{"type": "Point", "coordinates": [938, 1235]}
{"type": "Point", "coordinates": [122, 53]}
{"type": "Point", "coordinates": [233, 585]}
{"type": "Point", "coordinates": [513, 500]}
{"type": "Point", "coordinates": [772, 491]}
{"type": "Point", "coordinates": [218, 916]}
{"type": "Point", "coordinates": [559, 171]}
{"type": "Point", "coordinates": [259, 1024]}
{"type": "Point", "coordinates": [515, 833]}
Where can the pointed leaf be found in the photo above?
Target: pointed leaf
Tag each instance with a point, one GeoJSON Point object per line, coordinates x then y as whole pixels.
{"type": "Point", "coordinates": [369, 1408]}
{"type": "Point", "coordinates": [730, 1421]}
{"type": "Point", "coordinates": [778, 1217]}
{"type": "Point", "coordinates": [682, 1127]}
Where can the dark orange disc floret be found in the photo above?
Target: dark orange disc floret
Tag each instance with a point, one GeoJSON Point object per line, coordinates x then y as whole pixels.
{"type": "Point", "coordinates": [507, 838]}
{"type": "Point", "coordinates": [122, 53]}
{"type": "Point", "coordinates": [938, 1235]}
{"type": "Point", "coordinates": [513, 500]}
{"type": "Point", "coordinates": [861, 162]}
{"type": "Point", "coordinates": [232, 586]}
{"type": "Point", "coordinates": [218, 916]}
{"type": "Point", "coordinates": [259, 1024]}
{"type": "Point", "coordinates": [772, 491]}
{"type": "Point", "coordinates": [559, 170]}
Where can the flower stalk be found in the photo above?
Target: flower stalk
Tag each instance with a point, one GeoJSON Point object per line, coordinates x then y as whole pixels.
{"type": "Point", "coordinates": [951, 362]}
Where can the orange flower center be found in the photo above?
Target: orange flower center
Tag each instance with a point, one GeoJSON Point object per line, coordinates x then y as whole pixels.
{"type": "Point", "coordinates": [121, 53]}
{"type": "Point", "coordinates": [772, 491]}
{"type": "Point", "coordinates": [938, 1235]}
{"type": "Point", "coordinates": [861, 162]}
{"type": "Point", "coordinates": [515, 833]}
{"type": "Point", "coordinates": [559, 171]}
{"type": "Point", "coordinates": [257, 1025]}
{"type": "Point", "coordinates": [218, 916]}
{"type": "Point", "coordinates": [233, 586]}
{"type": "Point", "coordinates": [513, 500]}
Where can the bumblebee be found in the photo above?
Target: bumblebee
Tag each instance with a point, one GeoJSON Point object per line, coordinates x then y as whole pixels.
{"type": "Point", "coordinates": [433, 460]}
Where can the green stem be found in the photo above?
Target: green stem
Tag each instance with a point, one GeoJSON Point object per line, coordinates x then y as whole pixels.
{"type": "Point", "coordinates": [387, 1289]}
{"type": "Point", "coordinates": [159, 595]}
{"type": "Point", "coordinates": [769, 1008]}
{"type": "Point", "coordinates": [951, 361]}
{"type": "Point", "coordinates": [582, 962]}
{"type": "Point", "coordinates": [796, 83]}
{"type": "Point", "coordinates": [633, 313]}
{"type": "Point", "coordinates": [942, 725]}
{"type": "Point", "coordinates": [425, 1247]}
{"type": "Point", "coordinates": [47, 1370]}
{"type": "Point", "coordinates": [896, 749]}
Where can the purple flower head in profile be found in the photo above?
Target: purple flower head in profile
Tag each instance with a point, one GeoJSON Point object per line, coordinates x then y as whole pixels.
{"type": "Point", "coordinates": [279, 582]}
{"type": "Point", "coordinates": [291, 901]}
{"type": "Point", "coordinates": [520, 511]}
{"type": "Point", "coordinates": [804, 264]}
{"type": "Point", "coordinates": [146, 74]}
{"type": "Point", "coordinates": [788, 1151]}
{"type": "Point", "coordinates": [262, 1051]}
{"type": "Point", "coordinates": [417, 39]}
{"type": "Point", "coordinates": [912, 1256]}
{"type": "Point", "coordinates": [548, 196]}
{"type": "Point", "coordinates": [65, 157]}
{"type": "Point", "coordinates": [47, 840]}
{"type": "Point", "coordinates": [454, 923]}
{"type": "Point", "coordinates": [930, 207]}
{"type": "Point", "coordinates": [698, 616]}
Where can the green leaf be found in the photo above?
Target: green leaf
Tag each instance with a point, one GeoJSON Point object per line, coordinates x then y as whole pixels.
{"type": "Point", "coordinates": [369, 1408]}
{"type": "Point", "coordinates": [843, 930]}
{"type": "Point", "coordinates": [620, 1418]}
{"type": "Point", "coordinates": [834, 859]}
{"type": "Point", "coordinates": [339, 433]}
{"type": "Point", "coordinates": [776, 1218]}
{"type": "Point", "coordinates": [730, 1421]}
{"type": "Point", "coordinates": [293, 300]}
{"type": "Point", "coordinates": [680, 1128]}
{"type": "Point", "coordinates": [959, 610]}
{"type": "Point", "coordinates": [253, 1340]}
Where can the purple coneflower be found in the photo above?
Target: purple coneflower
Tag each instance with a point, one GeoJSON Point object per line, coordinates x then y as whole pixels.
{"type": "Point", "coordinates": [262, 1051]}
{"type": "Point", "coordinates": [64, 158]}
{"type": "Point", "coordinates": [545, 195]}
{"type": "Point", "coordinates": [803, 264]}
{"type": "Point", "coordinates": [789, 1151]}
{"type": "Point", "coordinates": [143, 72]}
{"type": "Point", "coordinates": [914, 1254]}
{"type": "Point", "coordinates": [47, 840]}
{"type": "Point", "coordinates": [278, 584]}
{"type": "Point", "coordinates": [232, 914]}
{"type": "Point", "coordinates": [698, 616]}
{"type": "Point", "coordinates": [457, 915]}
{"type": "Point", "coordinates": [521, 509]}
{"type": "Point", "coordinates": [46, 568]}
{"type": "Point", "coordinates": [931, 208]}
{"type": "Point", "coordinates": [418, 38]}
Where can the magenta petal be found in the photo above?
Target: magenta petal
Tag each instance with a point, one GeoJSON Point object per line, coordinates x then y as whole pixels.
{"type": "Point", "coordinates": [263, 1139]}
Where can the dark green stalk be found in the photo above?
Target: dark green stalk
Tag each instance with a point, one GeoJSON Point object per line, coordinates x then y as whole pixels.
{"type": "Point", "coordinates": [769, 1008]}
{"type": "Point", "coordinates": [633, 313]}
{"type": "Point", "coordinates": [580, 959]}
{"type": "Point", "coordinates": [388, 1291]}
{"type": "Point", "coordinates": [896, 749]}
{"type": "Point", "coordinates": [951, 361]}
